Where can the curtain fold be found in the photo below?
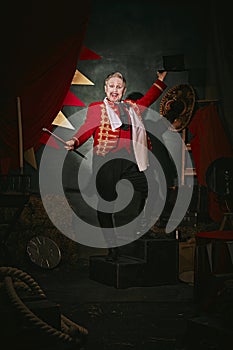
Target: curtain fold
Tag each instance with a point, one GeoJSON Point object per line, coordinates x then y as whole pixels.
{"type": "Point", "coordinates": [37, 64]}
{"type": "Point", "coordinates": [219, 68]}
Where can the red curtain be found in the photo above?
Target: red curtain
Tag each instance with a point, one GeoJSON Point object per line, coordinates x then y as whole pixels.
{"type": "Point", "coordinates": [209, 142]}
{"type": "Point", "coordinates": [40, 48]}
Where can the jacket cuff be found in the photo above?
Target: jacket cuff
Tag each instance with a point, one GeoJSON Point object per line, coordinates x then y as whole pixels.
{"type": "Point", "coordinates": [160, 85]}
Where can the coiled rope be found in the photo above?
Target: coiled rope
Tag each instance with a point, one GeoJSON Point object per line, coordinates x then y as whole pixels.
{"type": "Point", "coordinates": [70, 331]}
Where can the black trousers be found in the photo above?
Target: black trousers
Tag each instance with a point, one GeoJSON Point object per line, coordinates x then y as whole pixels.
{"type": "Point", "coordinates": [108, 171]}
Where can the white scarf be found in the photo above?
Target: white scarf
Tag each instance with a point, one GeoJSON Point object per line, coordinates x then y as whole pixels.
{"type": "Point", "coordinates": [139, 136]}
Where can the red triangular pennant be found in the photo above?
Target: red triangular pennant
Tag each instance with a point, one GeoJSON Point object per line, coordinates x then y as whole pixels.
{"type": "Point", "coordinates": [87, 54]}
{"type": "Point", "coordinates": [72, 100]}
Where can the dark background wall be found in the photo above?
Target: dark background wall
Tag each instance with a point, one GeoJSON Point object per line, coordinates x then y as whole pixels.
{"type": "Point", "coordinates": [134, 36]}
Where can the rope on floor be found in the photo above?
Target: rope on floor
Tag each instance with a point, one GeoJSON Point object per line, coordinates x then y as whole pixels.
{"type": "Point", "coordinates": [14, 278]}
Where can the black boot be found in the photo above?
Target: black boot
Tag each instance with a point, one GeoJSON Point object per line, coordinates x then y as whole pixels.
{"type": "Point", "coordinates": [113, 254]}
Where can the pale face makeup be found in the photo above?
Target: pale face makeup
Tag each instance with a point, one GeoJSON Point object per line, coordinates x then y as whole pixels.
{"type": "Point", "coordinates": [115, 89]}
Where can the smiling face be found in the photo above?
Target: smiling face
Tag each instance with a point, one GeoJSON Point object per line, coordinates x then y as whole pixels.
{"type": "Point", "coordinates": [114, 88]}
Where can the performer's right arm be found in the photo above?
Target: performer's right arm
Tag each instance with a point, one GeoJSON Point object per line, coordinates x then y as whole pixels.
{"type": "Point", "coordinates": [87, 129]}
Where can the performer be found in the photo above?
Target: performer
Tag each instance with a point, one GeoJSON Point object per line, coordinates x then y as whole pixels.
{"type": "Point", "coordinates": [120, 147]}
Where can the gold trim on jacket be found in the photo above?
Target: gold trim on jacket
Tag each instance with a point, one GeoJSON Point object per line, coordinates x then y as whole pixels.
{"type": "Point", "coordinates": [107, 138]}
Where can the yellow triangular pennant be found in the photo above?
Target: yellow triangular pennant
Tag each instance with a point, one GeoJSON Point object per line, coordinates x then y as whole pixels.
{"type": "Point", "coordinates": [29, 156]}
{"type": "Point", "coordinates": [80, 79]}
{"type": "Point", "coordinates": [62, 121]}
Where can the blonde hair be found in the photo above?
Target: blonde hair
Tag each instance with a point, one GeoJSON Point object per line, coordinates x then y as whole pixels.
{"type": "Point", "coordinates": [117, 75]}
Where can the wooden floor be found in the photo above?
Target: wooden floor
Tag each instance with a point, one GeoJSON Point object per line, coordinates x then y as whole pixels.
{"type": "Point", "coordinates": [158, 317]}
{"type": "Point", "coordinates": [131, 318]}
{"type": "Point", "coordinates": [153, 317]}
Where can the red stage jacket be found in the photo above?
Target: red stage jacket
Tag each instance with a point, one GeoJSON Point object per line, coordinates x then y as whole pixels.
{"type": "Point", "coordinates": [97, 123]}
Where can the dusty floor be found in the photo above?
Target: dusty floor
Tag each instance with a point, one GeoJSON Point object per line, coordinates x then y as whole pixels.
{"type": "Point", "coordinates": [159, 317]}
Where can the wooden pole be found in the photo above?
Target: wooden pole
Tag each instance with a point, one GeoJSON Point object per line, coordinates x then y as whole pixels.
{"type": "Point", "coordinates": [20, 131]}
